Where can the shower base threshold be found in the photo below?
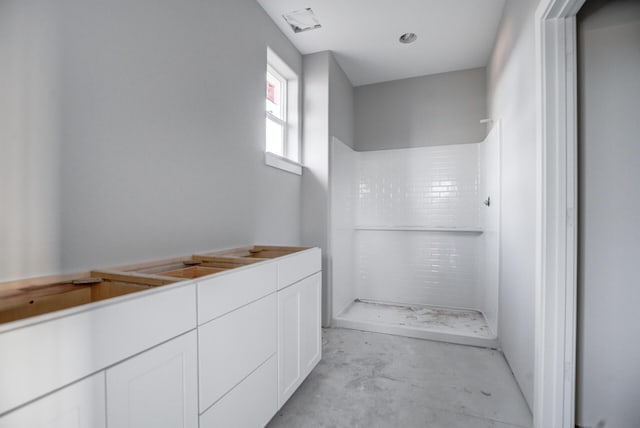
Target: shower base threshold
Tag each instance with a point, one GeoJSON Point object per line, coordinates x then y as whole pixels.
{"type": "Point", "coordinates": [461, 326]}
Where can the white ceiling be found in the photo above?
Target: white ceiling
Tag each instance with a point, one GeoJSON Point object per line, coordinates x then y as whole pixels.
{"type": "Point", "coordinates": [363, 34]}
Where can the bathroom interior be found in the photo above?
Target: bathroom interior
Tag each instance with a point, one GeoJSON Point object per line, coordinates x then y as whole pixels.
{"type": "Point", "coordinates": [133, 131]}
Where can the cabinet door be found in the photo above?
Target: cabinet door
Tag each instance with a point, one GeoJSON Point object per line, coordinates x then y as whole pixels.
{"type": "Point", "coordinates": [158, 388]}
{"type": "Point", "coordinates": [311, 320]}
{"type": "Point", "coordinates": [289, 346]}
{"type": "Point", "coordinates": [299, 334]}
{"type": "Point", "coordinates": [79, 405]}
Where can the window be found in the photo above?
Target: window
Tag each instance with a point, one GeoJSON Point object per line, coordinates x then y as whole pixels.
{"type": "Point", "coordinates": [281, 115]}
{"type": "Point", "coordinates": [276, 112]}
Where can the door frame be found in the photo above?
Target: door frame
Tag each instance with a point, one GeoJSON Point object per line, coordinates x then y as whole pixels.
{"type": "Point", "coordinates": [556, 217]}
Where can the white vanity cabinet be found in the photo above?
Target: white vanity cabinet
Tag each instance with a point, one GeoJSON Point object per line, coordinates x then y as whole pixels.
{"type": "Point", "coordinates": [299, 334]}
{"type": "Point", "coordinates": [78, 405]}
{"type": "Point", "coordinates": [225, 349]}
{"type": "Point", "coordinates": [260, 345]}
{"type": "Point", "coordinates": [157, 388]}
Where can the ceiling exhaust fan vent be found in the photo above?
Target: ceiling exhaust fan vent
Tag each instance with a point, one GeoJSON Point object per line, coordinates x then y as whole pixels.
{"type": "Point", "coordinates": [302, 20]}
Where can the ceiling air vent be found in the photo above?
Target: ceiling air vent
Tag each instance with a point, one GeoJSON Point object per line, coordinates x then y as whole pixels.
{"type": "Point", "coordinates": [302, 20]}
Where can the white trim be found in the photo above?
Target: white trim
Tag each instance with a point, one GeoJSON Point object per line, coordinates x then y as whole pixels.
{"type": "Point", "coordinates": [556, 230]}
{"type": "Point", "coordinates": [282, 163]}
{"type": "Point", "coordinates": [420, 228]}
{"type": "Point", "coordinates": [276, 119]}
{"type": "Point", "coordinates": [497, 126]}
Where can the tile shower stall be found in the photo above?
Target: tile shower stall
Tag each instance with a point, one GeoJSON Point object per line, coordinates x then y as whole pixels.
{"type": "Point", "coordinates": [414, 240]}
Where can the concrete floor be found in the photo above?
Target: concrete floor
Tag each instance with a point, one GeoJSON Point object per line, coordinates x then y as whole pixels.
{"type": "Point", "coordinates": [377, 380]}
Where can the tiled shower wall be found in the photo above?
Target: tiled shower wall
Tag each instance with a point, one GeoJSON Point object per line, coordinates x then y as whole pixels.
{"type": "Point", "coordinates": [418, 187]}
{"type": "Point", "coordinates": [431, 268]}
{"type": "Point", "coordinates": [425, 186]}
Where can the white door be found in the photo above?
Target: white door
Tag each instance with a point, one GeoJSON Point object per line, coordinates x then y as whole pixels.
{"type": "Point", "coordinates": [79, 405]}
{"type": "Point", "coordinates": [299, 334]}
{"type": "Point", "coordinates": [311, 319]}
{"type": "Point", "coordinates": [158, 388]}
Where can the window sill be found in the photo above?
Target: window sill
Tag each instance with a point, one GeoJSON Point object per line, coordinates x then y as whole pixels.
{"type": "Point", "coordinates": [282, 163]}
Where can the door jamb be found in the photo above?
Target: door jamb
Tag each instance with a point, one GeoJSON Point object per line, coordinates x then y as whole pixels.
{"type": "Point", "coordinates": [556, 217]}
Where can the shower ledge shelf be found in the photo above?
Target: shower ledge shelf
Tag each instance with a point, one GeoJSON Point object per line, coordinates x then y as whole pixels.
{"type": "Point", "coordinates": [422, 228]}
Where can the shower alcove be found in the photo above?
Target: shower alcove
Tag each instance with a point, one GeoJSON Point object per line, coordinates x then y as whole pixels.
{"type": "Point", "coordinates": [414, 241]}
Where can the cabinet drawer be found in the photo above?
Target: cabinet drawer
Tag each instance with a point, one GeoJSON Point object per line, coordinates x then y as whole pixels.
{"type": "Point", "coordinates": [251, 404]}
{"type": "Point", "coordinates": [233, 346]}
{"type": "Point", "coordinates": [297, 266]}
{"type": "Point", "coordinates": [79, 405]}
{"type": "Point", "coordinates": [226, 292]}
{"type": "Point", "coordinates": [60, 351]}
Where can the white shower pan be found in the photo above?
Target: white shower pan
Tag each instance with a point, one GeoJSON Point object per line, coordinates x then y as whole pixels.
{"type": "Point", "coordinates": [462, 326]}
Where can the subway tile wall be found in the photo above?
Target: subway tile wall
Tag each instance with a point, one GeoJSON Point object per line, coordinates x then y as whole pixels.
{"type": "Point", "coordinates": [426, 186]}
{"type": "Point", "coordinates": [414, 267]}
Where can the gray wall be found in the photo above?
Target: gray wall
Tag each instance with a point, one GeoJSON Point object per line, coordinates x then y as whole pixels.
{"type": "Point", "coordinates": [609, 270]}
{"type": "Point", "coordinates": [328, 111]}
{"type": "Point", "coordinates": [422, 111]}
{"type": "Point", "coordinates": [135, 130]}
{"type": "Point", "coordinates": [30, 140]}
{"type": "Point", "coordinates": [512, 100]}
{"type": "Point", "coordinates": [315, 157]}
{"type": "Point", "coordinates": [341, 104]}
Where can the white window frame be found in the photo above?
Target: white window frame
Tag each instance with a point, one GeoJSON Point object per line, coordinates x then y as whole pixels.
{"type": "Point", "coordinates": [289, 160]}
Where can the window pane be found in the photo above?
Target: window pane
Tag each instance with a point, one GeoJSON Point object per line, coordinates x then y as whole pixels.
{"type": "Point", "coordinates": [275, 90]}
{"type": "Point", "coordinates": [275, 138]}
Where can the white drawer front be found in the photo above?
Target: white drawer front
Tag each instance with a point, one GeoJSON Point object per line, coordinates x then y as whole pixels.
{"type": "Point", "coordinates": [79, 405]}
{"type": "Point", "coordinates": [297, 266]}
{"type": "Point", "coordinates": [232, 346]}
{"type": "Point", "coordinates": [222, 294]}
{"type": "Point", "coordinates": [251, 404]}
{"type": "Point", "coordinates": [60, 351]}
